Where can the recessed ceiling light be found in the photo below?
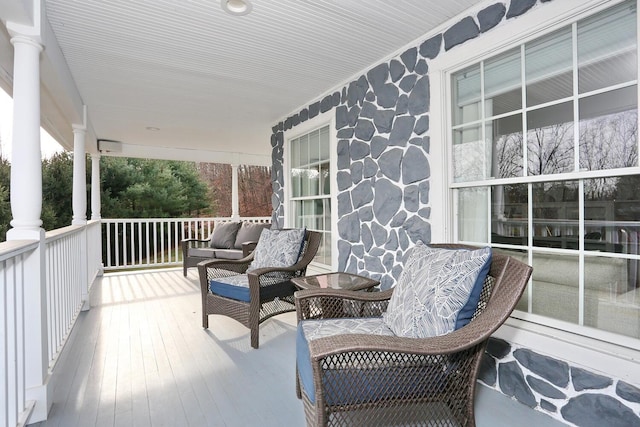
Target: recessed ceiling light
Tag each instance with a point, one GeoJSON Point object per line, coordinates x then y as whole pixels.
{"type": "Point", "coordinates": [152, 128]}
{"type": "Point", "coordinates": [236, 7]}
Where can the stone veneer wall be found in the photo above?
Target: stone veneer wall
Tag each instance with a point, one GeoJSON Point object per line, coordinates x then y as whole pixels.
{"type": "Point", "coordinates": [382, 127]}
{"type": "Point", "coordinates": [566, 392]}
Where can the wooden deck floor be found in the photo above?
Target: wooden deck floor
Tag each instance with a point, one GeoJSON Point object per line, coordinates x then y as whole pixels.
{"type": "Point", "coordinates": [140, 357]}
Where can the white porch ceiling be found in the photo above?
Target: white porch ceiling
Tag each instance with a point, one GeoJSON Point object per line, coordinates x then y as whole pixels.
{"type": "Point", "coordinates": [212, 81]}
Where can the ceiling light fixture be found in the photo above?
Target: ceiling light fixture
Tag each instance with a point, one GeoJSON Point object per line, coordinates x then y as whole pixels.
{"type": "Point", "coordinates": [236, 7]}
{"type": "Point", "coordinates": [152, 128]}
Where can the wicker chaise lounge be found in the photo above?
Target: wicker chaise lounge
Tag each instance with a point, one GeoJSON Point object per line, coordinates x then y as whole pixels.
{"type": "Point", "coordinates": [266, 291]}
{"type": "Point", "coordinates": [369, 378]}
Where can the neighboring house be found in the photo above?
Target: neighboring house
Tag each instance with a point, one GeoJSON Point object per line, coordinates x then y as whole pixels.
{"type": "Point", "coordinates": [515, 126]}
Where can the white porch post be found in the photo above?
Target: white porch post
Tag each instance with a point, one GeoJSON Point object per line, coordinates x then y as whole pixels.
{"type": "Point", "coordinates": [80, 204]}
{"type": "Point", "coordinates": [95, 187]}
{"type": "Point", "coordinates": [235, 204]}
{"type": "Point", "coordinates": [79, 176]}
{"type": "Point", "coordinates": [26, 208]}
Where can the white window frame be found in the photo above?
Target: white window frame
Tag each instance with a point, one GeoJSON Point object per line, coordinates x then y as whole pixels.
{"type": "Point", "coordinates": [321, 120]}
{"type": "Point", "coordinates": [597, 352]}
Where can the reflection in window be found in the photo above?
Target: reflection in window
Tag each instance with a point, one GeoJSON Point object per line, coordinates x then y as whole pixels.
{"type": "Point", "coordinates": [509, 214]}
{"type": "Point", "coordinates": [552, 170]}
{"type": "Point", "coordinates": [473, 214]}
{"type": "Point", "coordinates": [506, 134]}
{"type": "Point", "coordinates": [609, 130]}
{"type": "Point", "coordinates": [549, 65]}
{"type": "Point", "coordinates": [310, 202]}
{"type": "Point", "coordinates": [550, 140]}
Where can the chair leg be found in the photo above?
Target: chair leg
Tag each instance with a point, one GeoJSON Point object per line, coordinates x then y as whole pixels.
{"type": "Point", "coordinates": [254, 324]}
{"type": "Point", "coordinates": [184, 269]}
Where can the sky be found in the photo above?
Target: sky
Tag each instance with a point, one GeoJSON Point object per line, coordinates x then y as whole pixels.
{"type": "Point", "coordinates": [48, 145]}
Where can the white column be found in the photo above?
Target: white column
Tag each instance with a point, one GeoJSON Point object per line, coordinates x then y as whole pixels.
{"type": "Point", "coordinates": [79, 176]}
{"type": "Point", "coordinates": [235, 204]}
{"type": "Point", "coordinates": [26, 162]}
{"type": "Point", "coordinates": [95, 187]}
{"type": "Point", "coordinates": [26, 208]}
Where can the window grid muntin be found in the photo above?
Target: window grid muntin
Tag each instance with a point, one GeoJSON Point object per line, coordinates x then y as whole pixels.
{"type": "Point", "coordinates": [576, 174]}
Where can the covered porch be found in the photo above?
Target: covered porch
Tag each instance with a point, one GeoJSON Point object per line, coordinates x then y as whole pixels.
{"type": "Point", "coordinates": [140, 357]}
{"type": "Point", "coordinates": [378, 122]}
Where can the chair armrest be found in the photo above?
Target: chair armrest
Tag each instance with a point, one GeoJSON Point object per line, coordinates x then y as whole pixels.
{"type": "Point", "coordinates": [191, 243]}
{"type": "Point", "coordinates": [248, 247]}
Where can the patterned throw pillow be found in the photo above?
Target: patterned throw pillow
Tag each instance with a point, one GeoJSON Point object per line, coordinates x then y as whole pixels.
{"type": "Point", "coordinates": [277, 248]}
{"type": "Point", "coordinates": [432, 289]}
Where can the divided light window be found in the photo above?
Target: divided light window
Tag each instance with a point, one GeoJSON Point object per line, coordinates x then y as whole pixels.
{"type": "Point", "coordinates": [544, 165]}
{"type": "Point", "coordinates": [310, 198]}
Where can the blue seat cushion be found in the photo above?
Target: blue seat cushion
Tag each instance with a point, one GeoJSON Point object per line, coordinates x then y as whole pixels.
{"type": "Point", "coordinates": [234, 287]}
{"type": "Point", "coordinates": [309, 330]}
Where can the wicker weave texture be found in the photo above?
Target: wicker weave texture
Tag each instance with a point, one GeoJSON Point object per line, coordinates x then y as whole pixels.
{"type": "Point", "coordinates": [270, 290]}
{"type": "Point", "coordinates": [384, 380]}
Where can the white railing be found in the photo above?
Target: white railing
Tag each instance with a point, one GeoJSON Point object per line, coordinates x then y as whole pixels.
{"type": "Point", "coordinates": [14, 407]}
{"type": "Point", "coordinates": [66, 283]}
{"type": "Point", "coordinates": [154, 242]}
{"type": "Point", "coordinates": [44, 284]}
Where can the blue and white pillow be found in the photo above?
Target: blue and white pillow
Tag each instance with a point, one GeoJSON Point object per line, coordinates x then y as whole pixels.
{"type": "Point", "coordinates": [434, 287]}
{"type": "Point", "coordinates": [277, 248]}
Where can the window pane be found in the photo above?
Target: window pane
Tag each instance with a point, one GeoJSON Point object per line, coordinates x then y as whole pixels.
{"type": "Point", "coordinates": [296, 213]}
{"type": "Point", "coordinates": [308, 213]}
{"type": "Point", "coordinates": [314, 147]}
{"type": "Point", "coordinates": [609, 130]}
{"type": "Point", "coordinates": [472, 214]}
{"type": "Point", "coordinates": [327, 214]}
{"type": "Point", "coordinates": [324, 143]}
{"type": "Point", "coordinates": [549, 65]}
{"type": "Point", "coordinates": [296, 182]}
{"type": "Point", "coordinates": [610, 304]}
{"type": "Point", "coordinates": [612, 215]}
{"type": "Point", "coordinates": [295, 153]}
{"type": "Point", "coordinates": [555, 286]}
{"type": "Point", "coordinates": [471, 156]}
{"type": "Point", "coordinates": [550, 140]}
{"type": "Point", "coordinates": [607, 52]}
{"type": "Point", "coordinates": [509, 213]}
{"type": "Point", "coordinates": [555, 215]}
{"type": "Point", "coordinates": [508, 158]}
{"type": "Point", "coordinates": [325, 179]}
{"type": "Point", "coordinates": [304, 150]}
{"type": "Point", "coordinates": [466, 95]}
{"type": "Point", "coordinates": [502, 84]}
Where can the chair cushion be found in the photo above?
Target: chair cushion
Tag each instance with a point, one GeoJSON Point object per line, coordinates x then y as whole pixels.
{"type": "Point", "coordinates": [309, 330]}
{"type": "Point", "coordinates": [228, 253]}
{"type": "Point", "coordinates": [277, 248]}
{"type": "Point", "coordinates": [249, 232]}
{"type": "Point", "coordinates": [202, 252]}
{"type": "Point", "coordinates": [234, 287]}
{"type": "Point", "coordinates": [433, 288]}
{"type": "Point", "coordinates": [224, 235]}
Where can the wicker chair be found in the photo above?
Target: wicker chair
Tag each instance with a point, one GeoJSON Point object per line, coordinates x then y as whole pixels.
{"type": "Point", "coordinates": [364, 379]}
{"type": "Point", "coordinates": [270, 291]}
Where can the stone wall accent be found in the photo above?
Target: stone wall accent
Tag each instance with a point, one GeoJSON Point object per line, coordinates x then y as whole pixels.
{"type": "Point", "coordinates": [382, 126]}
{"type": "Point", "coordinates": [568, 393]}
{"type": "Point", "coordinates": [383, 185]}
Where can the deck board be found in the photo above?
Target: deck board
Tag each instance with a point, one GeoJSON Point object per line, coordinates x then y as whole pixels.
{"type": "Point", "coordinates": [139, 357]}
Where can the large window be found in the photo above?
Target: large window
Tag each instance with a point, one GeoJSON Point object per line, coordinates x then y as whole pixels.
{"type": "Point", "coordinates": [544, 159]}
{"type": "Point", "coordinates": [310, 197]}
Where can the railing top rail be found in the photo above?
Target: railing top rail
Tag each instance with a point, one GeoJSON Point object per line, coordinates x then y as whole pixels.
{"type": "Point", "coordinates": [13, 248]}
{"type": "Point", "coordinates": [214, 219]}
{"type": "Point", "coordinates": [60, 233]}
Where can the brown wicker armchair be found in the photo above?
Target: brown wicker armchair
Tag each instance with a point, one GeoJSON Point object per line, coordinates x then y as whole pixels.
{"type": "Point", "coordinates": [365, 379]}
{"type": "Point", "coordinates": [270, 291]}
